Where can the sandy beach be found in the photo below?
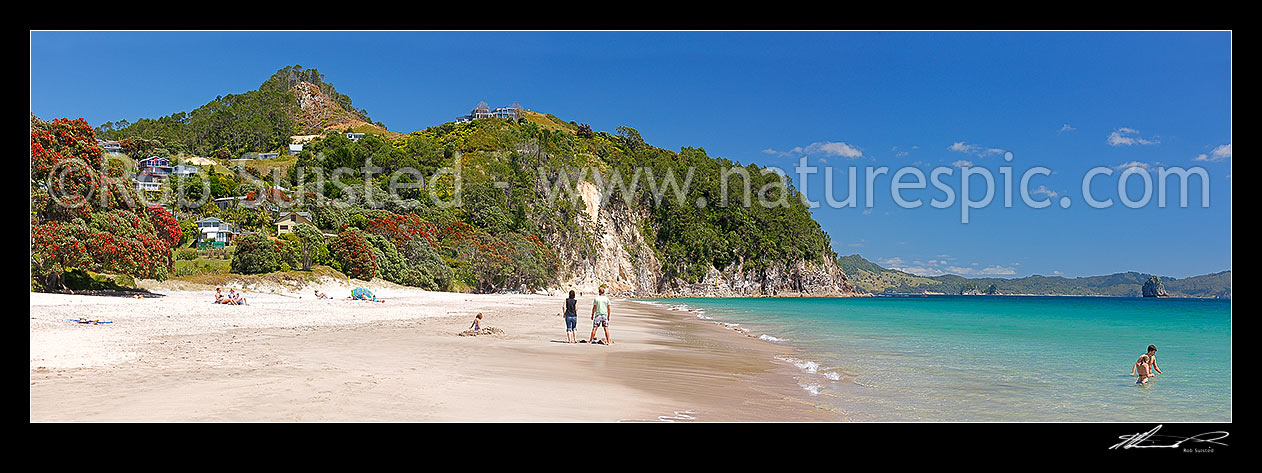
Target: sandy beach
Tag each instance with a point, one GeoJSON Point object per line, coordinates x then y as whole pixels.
{"type": "Point", "coordinates": [291, 357]}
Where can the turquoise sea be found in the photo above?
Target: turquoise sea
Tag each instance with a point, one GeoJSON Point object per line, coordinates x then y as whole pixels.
{"type": "Point", "coordinates": [1005, 358]}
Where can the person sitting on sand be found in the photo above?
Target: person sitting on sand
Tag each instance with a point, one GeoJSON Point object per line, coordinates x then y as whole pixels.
{"type": "Point", "coordinates": [1145, 365]}
{"type": "Point", "coordinates": [321, 295]}
{"type": "Point", "coordinates": [475, 326]}
{"type": "Point", "coordinates": [219, 298]}
{"type": "Point", "coordinates": [600, 316]}
{"type": "Point", "coordinates": [236, 299]}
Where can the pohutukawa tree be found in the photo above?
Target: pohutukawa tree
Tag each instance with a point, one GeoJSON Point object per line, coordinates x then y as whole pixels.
{"type": "Point", "coordinates": [82, 218]}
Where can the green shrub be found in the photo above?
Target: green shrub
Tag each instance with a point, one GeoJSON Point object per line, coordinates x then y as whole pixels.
{"type": "Point", "coordinates": [255, 254]}
{"type": "Point", "coordinates": [186, 254]}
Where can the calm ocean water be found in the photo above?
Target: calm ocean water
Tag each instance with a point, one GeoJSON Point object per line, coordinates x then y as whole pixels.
{"type": "Point", "coordinates": [974, 358]}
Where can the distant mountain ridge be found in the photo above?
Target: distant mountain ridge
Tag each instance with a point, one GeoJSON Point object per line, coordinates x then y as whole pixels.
{"type": "Point", "coordinates": [873, 278]}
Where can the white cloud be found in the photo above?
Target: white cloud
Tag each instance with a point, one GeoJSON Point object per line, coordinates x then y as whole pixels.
{"type": "Point", "coordinates": [1134, 164]}
{"type": "Point", "coordinates": [980, 151]}
{"type": "Point", "coordinates": [867, 212]}
{"type": "Point", "coordinates": [1058, 273]}
{"type": "Point", "coordinates": [887, 262]}
{"type": "Point", "coordinates": [825, 148]}
{"type": "Point", "coordinates": [922, 271]}
{"type": "Point", "coordinates": [1218, 154]}
{"type": "Point", "coordinates": [1066, 128]}
{"type": "Point", "coordinates": [987, 271]}
{"type": "Point", "coordinates": [1223, 151]}
{"type": "Point", "coordinates": [1129, 136]}
{"type": "Point", "coordinates": [1043, 190]}
{"type": "Point", "coordinates": [962, 163]}
{"type": "Point", "coordinates": [997, 270]}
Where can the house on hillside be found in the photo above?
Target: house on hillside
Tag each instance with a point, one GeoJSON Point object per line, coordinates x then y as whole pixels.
{"type": "Point", "coordinates": [145, 182]}
{"type": "Point", "coordinates": [214, 233]}
{"type": "Point", "coordinates": [354, 136]}
{"type": "Point", "coordinates": [184, 171]}
{"type": "Point", "coordinates": [155, 166]}
{"type": "Point", "coordinates": [110, 146]}
{"type": "Point", "coordinates": [511, 112]}
{"type": "Point", "coordinates": [290, 220]}
{"type": "Point", "coordinates": [295, 148]}
{"type": "Point", "coordinates": [151, 173]}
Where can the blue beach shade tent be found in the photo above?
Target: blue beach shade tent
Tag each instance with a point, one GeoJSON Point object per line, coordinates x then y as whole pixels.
{"type": "Point", "coordinates": [362, 294]}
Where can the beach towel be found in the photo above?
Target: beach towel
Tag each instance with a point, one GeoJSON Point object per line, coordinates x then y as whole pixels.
{"type": "Point", "coordinates": [89, 322]}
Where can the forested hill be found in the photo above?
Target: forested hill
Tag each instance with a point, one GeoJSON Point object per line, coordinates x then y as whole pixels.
{"type": "Point", "coordinates": [539, 205]}
{"type": "Point", "coordinates": [293, 101]}
{"type": "Point", "coordinates": [873, 278]}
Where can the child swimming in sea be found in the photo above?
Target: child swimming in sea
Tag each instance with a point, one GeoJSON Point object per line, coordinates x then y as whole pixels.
{"type": "Point", "coordinates": [1142, 367]}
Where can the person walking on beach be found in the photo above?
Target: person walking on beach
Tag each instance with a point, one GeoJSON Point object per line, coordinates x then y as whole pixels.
{"type": "Point", "coordinates": [1145, 365]}
{"type": "Point", "coordinates": [600, 316]}
{"type": "Point", "coordinates": [571, 319]}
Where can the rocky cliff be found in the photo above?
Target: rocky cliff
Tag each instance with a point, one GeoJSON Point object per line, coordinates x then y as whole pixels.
{"type": "Point", "coordinates": [625, 262]}
{"type": "Point", "coordinates": [1153, 288]}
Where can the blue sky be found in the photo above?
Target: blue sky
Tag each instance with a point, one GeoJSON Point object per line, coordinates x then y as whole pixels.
{"type": "Point", "coordinates": [1064, 100]}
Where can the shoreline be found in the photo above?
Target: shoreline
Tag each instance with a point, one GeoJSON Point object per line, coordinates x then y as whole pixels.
{"type": "Point", "coordinates": [288, 357]}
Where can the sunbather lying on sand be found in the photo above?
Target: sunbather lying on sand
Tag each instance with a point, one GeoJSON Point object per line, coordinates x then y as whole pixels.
{"type": "Point", "coordinates": [321, 295]}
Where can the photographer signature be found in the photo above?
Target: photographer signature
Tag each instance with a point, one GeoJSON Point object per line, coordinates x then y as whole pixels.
{"type": "Point", "coordinates": [1135, 440]}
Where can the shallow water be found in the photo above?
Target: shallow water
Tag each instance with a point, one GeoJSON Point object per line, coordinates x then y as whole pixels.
{"type": "Point", "coordinates": [973, 358]}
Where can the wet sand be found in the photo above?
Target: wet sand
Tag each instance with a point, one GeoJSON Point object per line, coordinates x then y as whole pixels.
{"type": "Point", "coordinates": [285, 358]}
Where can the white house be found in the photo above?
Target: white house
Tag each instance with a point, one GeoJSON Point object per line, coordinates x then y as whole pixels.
{"type": "Point", "coordinates": [184, 171]}
{"type": "Point", "coordinates": [214, 232]}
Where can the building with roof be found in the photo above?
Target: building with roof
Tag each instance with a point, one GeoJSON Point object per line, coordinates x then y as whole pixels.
{"type": "Point", "coordinates": [511, 112]}
{"type": "Point", "coordinates": [288, 221]}
{"type": "Point", "coordinates": [214, 233]}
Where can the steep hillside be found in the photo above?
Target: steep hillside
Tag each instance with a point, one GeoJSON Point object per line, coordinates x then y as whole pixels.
{"type": "Point", "coordinates": [540, 206]}
{"type": "Point", "coordinates": [293, 101]}
{"type": "Point", "coordinates": [872, 278]}
{"type": "Point", "coordinates": [523, 179]}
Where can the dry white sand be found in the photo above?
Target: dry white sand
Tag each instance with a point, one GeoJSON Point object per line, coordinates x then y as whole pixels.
{"type": "Point", "coordinates": [291, 357]}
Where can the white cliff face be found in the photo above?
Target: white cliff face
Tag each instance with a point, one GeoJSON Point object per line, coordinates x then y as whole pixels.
{"type": "Point", "coordinates": [626, 263]}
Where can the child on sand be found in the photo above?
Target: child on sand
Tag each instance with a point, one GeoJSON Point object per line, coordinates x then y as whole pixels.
{"type": "Point", "coordinates": [475, 325]}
